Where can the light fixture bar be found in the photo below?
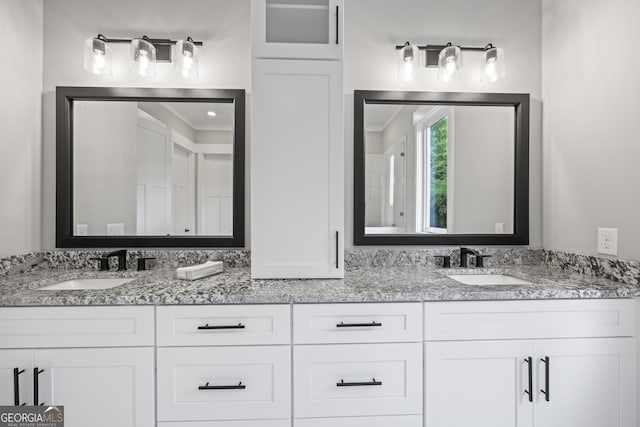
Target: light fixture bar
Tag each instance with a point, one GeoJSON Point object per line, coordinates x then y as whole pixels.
{"type": "Point", "coordinates": [433, 51]}
{"type": "Point", "coordinates": [163, 46]}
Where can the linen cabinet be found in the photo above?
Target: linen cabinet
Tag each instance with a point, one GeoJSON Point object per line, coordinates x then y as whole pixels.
{"type": "Point", "coordinates": [297, 150]}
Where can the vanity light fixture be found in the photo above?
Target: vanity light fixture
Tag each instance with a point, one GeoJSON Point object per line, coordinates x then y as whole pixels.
{"type": "Point", "coordinates": [408, 62]}
{"type": "Point", "coordinates": [448, 59]}
{"type": "Point", "coordinates": [97, 56]}
{"type": "Point", "coordinates": [143, 57]}
{"type": "Point", "coordinates": [145, 53]}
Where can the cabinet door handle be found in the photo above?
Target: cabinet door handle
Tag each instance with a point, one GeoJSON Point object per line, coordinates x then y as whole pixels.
{"type": "Point", "coordinates": [337, 250]}
{"type": "Point", "coordinates": [36, 374]}
{"type": "Point", "coordinates": [218, 327]}
{"type": "Point", "coordinates": [545, 391]}
{"type": "Point", "coordinates": [337, 24]}
{"type": "Point", "coordinates": [358, 325]}
{"type": "Point", "coordinates": [529, 390]}
{"type": "Point", "coordinates": [240, 386]}
{"type": "Point", "coordinates": [373, 382]}
{"type": "Point", "coordinates": [16, 386]}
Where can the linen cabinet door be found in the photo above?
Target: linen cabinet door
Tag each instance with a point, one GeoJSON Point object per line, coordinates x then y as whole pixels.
{"type": "Point", "coordinates": [478, 383]}
{"type": "Point", "coordinates": [297, 170]}
{"type": "Point", "coordinates": [16, 368]}
{"type": "Point", "coordinates": [99, 387]}
{"type": "Point", "coordinates": [586, 383]}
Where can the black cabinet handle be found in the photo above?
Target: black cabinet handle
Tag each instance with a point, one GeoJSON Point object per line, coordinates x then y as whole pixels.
{"type": "Point", "coordinates": [529, 390]}
{"type": "Point", "coordinates": [240, 386]}
{"type": "Point", "coordinates": [546, 378]}
{"type": "Point", "coordinates": [36, 374]}
{"type": "Point", "coordinates": [16, 386]}
{"type": "Point", "coordinates": [337, 24]}
{"type": "Point", "coordinates": [337, 250]}
{"type": "Point", "coordinates": [373, 382]}
{"type": "Point", "coordinates": [358, 325]}
{"type": "Point", "coordinates": [214, 327]}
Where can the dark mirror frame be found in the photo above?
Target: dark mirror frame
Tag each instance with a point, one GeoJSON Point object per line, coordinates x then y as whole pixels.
{"type": "Point", "coordinates": [520, 102]}
{"type": "Point", "coordinates": [65, 97]}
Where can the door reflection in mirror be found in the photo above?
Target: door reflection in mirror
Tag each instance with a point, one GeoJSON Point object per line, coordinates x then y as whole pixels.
{"type": "Point", "coordinates": [153, 168]}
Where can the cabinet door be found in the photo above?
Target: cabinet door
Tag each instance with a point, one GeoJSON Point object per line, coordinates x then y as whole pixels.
{"type": "Point", "coordinates": [297, 170]}
{"type": "Point", "coordinates": [297, 29]}
{"type": "Point", "coordinates": [10, 360]}
{"type": "Point", "coordinates": [99, 387]}
{"type": "Point", "coordinates": [590, 383]}
{"type": "Point", "coordinates": [480, 383]}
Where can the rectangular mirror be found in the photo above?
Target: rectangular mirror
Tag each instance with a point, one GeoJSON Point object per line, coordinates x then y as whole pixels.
{"type": "Point", "coordinates": [150, 167]}
{"type": "Point", "coordinates": [441, 168]}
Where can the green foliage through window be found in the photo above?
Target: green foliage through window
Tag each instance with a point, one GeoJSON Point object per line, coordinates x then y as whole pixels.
{"type": "Point", "coordinates": [438, 174]}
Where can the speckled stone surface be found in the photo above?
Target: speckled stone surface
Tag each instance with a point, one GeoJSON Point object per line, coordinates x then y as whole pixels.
{"type": "Point", "coordinates": [165, 258]}
{"type": "Point", "coordinates": [14, 262]}
{"type": "Point", "coordinates": [361, 284]}
{"type": "Point", "coordinates": [609, 268]}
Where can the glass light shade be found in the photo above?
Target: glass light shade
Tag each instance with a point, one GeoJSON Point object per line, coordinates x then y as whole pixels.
{"type": "Point", "coordinates": [97, 57]}
{"type": "Point", "coordinates": [408, 63]}
{"type": "Point", "coordinates": [449, 63]}
{"type": "Point", "coordinates": [143, 57]}
{"type": "Point", "coordinates": [493, 66]}
{"type": "Point", "coordinates": [187, 59]}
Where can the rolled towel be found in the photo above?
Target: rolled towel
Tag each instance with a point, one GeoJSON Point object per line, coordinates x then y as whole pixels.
{"type": "Point", "coordinates": [194, 272]}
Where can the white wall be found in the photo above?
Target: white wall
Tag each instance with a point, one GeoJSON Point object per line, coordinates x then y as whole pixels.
{"type": "Point", "coordinates": [20, 125]}
{"type": "Point", "coordinates": [373, 27]}
{"type": "Point", "coordinates": [591, 127]}
{"type": "Point", "coordinates": [223, 25]}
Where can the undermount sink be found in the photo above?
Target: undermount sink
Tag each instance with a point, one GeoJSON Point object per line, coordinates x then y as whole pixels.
{"type": "Point", "coordinates": [85, 284]}
{"type": "Point", "coordinates": [488, 279]}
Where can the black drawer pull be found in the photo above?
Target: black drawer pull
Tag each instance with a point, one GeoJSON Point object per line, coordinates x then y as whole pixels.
{"type": "Point", "coordinates": [16, 386]}
{"type": "Point", "coordinates": [207, 327]}
{"type": "Point", "coordinates": [373, 382]}
{"type": "Point", "coordinates": [529, 390]}
{"type": "Point", "coordinates": [240, 386]}
{"type": "Point", "coordinates": [545, 391]}
{"type": "Point", "coordinates": [36, 392]}
{"type": "Point", "coordinates": [358, 325]}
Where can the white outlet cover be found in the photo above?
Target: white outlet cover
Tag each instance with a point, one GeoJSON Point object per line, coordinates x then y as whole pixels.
{"type": "Point", "coordinates": [82, 230]}
{"type": "Point", "coordinates": [499, 227]}
{"type": "Point", "coordinates": [115, 229]}
{"type": "Point", "coordinates": [608, 241]}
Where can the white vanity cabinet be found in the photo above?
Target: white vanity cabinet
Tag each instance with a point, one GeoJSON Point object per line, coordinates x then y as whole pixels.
{"type": "Point", "coordinates": [303, 29]}
{"type": "Point", "coordinates": [297, 170]}
{"type": "Point", "coordinates": [49, 347]}
{"type": "Point", "coordinates": [357, 365]}
{"type": "Point", "coordinates": [224, 365]}
{"type": "Point", "coordinates": [530, 363]}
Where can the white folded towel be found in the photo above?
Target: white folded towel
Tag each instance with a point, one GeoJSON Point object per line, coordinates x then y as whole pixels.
{"type": "Point", "coordinates": [194, 272]}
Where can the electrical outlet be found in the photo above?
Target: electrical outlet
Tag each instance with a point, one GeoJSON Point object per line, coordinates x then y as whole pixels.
{"type": "Point", "coordinates": [116, 229]}
{"type": "Point", "coordinates": [82, 230]}
{"type": "Point", "coordinates": [499, 227]}
{"type": "Point", "coordinates": [608, 241]}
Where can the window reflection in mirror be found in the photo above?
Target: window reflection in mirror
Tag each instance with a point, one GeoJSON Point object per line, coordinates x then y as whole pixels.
{"type": "Point", "coordinates": [152, 168]}
{"type": "Point", "coordinates": [439, 169]}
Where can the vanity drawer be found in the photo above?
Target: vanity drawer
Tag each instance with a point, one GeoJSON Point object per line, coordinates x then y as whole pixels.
{"type": "Point", "coordinates": [357, 380]}
{"type": "Point", "coordinates": [357, 323]}
{"type": "Point", "coordinates": [471, 320]}
{"type": "Point", "coordinates": [229, 383]}
{"type": "Point", "coordinates": [116, 326]}
{"type": "Point", "coordinates": [395, 421]}
{"type": "Point", "coordinates": [223, 325]}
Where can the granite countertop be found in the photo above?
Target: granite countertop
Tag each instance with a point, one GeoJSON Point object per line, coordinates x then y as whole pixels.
{"type": "Point", "coordinates": [366, 284]}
